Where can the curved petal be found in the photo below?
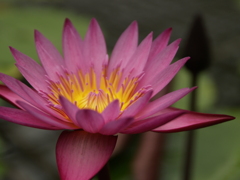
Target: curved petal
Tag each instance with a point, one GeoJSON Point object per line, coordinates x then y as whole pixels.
{"type": "Point", "coordinates": [116, 126]}
{"type": "Point", "coordinates": [22, 90]}
{"type": "Point", "coordinates": [160, 43]}
{"type": "Point", "coordinates": [10, 96]}
{"type": "Point", "coordinates": [24, 118]}
{"type": "Point", "coordinates": [165, 76]}
{"type": "Point", "coordinates": [30, 69]}
{"type": "Point", "coordinates": [125, 47]}
{"type": "Point", "coordinates": [72, 48]}
{"type": "Point", "coordinates": [139, 58]}
{"type": "Point", "coordinates": [163, 102]}
{"type": "Point", "coordinates": [112, 111]}
{"type": "Point", "coordinates": [70, 109]}
{"type": "Point", "coordinates": [160, 62]}
{"type": "Point", "coordinates": [80, 155]}
{"type": "Point", "coordinates": [151, 123]}
{"type": "Point", "coordinates": [133, 109]}
{"type": "Point", "coordinates": [27, 94]}
{"type": "Point", "coordinates": [50, 58]}
{"type": "Point", "coordinates": [90, 120]}
{"type": "Point", "coordinates": [47, 118]}
{"type": "Point", "coordinates": [95, 50]}
{"type": "Point", "coordinates": [192, 120]}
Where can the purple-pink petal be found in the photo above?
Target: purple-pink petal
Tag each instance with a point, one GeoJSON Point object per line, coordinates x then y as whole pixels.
{"type": "Point", "coordinates": [139, 104]}
{"type": "Point", "coordinates": [163, 102]}
{"type": "Point", "coordinates": [24, 118]}
{"type": "Point", "coordinates": [116, 126]}
{"type": "Point", "coordinates": [47, 118]}
{"type": "Point", "coordinates": [124, 48]}
{"type": "Point", "coordinates": [138, 60]}
{"type": "Point", "coordinates": [80, 155]}
{"type": "Point", "coordinates": [50, 58]}
{"type": "Point", "coordinates": [72, 48]}
{"type": "Point", "coordinates": [160, 43]}
{"type": "Point", "coordinates": [159, 62]}
{"type": "Point", "coordinates": [90, 120]}
{"type": "Point", "coordinates": [112, 111]}
{"type": "Point", "coordinates": [151, 123]}
{"type": "Point", "coordinates": [70, 109]}
{"type": "Point", "coordinates": [192, 120]}
{"type": "Point", "coordinates": [30, 69]}
{"type": "Point", "coordinates": [10, 96]}
{"type": "Point", "coordinates": [165, 76]}
{"type": "Point", "coordinates": [95, 50]}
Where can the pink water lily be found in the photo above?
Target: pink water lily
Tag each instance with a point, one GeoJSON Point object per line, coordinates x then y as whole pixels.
{"type": "Point", "coordinates": [93, 97]}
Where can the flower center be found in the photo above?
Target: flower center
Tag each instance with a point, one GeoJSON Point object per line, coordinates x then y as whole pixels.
{"type": "Point", "coordinates": [86, 92]}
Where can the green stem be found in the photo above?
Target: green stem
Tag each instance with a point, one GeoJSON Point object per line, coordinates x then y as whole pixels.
{"type": "Point", "coordinates": [190, 139]}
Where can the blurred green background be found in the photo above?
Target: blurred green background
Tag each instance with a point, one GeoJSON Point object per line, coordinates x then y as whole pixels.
{"type": "Point", "coordinates": [217, 155]}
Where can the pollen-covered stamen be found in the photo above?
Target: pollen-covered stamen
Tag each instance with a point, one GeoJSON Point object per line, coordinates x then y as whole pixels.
{"type": "Point", "coordinates": [83, 90]}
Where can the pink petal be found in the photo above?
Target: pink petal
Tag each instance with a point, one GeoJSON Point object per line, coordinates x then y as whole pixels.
{"type": "Point", "coordinates": [192, 120]}
{"type": "Point", "coordinates": [125, 47]}
{"type": "Point", "coordinates": [10, 96]}
{"type": "Point", "coordinates": [116, 126]}
{"type": "Point", "coordinates": [163, 102]}
{"type": "Point", "coordinates": [30, 69]}
{"type": "Point", "coordinates": [151, 123]}
{"type": "Point", "coordinates": [165, 76]}
{"type": "Point", "coordinates": [111, 112]}
{"type": "Point", "coordinates": [47, 118]}
{"type": "Point", "coordinates": [138, 61]}
{"type": "Point", "coordinates": [95, 50]}
{"type": "Point", "coordinates": [27, 94]}
{"type": "Point", "coordinates": [90, 120]}
{"type": "Point", "coordinates": [23, 118]}
{"type": "Point", "coordinates": [160, 43]}
{"type": "Point", "coordinates": [80, 155]}
{"type": "Point", "coordinates": [50, 58]}
{"type": "Point", "coordinates": [72, 48]}
{"type": "Point", "coordinates": [133, 109]}
{"type": "Point", "coordinates": [160, 62]}
{"type": "Point", "coordinates": [70, 109]}
{"type": "Point", "coordinates": [22, 90]}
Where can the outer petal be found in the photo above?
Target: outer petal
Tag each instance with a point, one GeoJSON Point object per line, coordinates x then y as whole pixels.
{"type": "Point", "coordinates": [10, 96]}
{"type": "Point", "coordinates": [116, 126]}
{"type": "Point", "coordinates": [50, 58]}
{"type": "Point", "coordinates": [163, 102]}
{"type": "Point", "coordinates": [192, 120]}
{"type": "Point", "coordinates": [151, 123]}
{"type": "Point", "coordinates": [72, 48]}
{"type": "Point", "coordinates": [80, 155]}
{"type": "Point", "coordinates": [23, 118]}
{"type": "Point", "coordinates": [30, 69]}
{"type": "Point", "coordinates": [90, 120]}
{"type": "Point", "coordinates": [139, 58]}
{"type": "Point", "coordinates": [47, 118]}
{"type": "Point", "coordinates": [165, 76]}
{"type": "Point", "coordinates": [125, 47]}
{"type": "Point", "coordinates": [160, 62]}
{"type": "Point", "coordinates": [95, 50]}
{"type": "Point", "coordinates": [22, 90]}
{"type": "Point", "coordinates": [160, 43]}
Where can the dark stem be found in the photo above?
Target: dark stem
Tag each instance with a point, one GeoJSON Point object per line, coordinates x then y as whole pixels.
{"type": "Point", "coordinates": [104, 174]}
{"type": "Point", "coordinates": [190, 139]}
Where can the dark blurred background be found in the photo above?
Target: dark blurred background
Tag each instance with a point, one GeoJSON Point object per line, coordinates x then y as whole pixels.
{"type": "Point", "coordinates": [28, 153]}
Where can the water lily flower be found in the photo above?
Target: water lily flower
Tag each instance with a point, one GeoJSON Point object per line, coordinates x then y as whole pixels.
{"type": "Point", "coordinates": [93, 97]}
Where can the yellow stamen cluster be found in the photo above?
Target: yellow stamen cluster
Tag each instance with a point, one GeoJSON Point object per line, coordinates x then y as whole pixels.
{"type": "Point", "coordinates": [86, 92]}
